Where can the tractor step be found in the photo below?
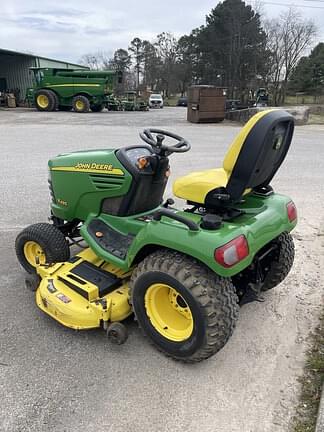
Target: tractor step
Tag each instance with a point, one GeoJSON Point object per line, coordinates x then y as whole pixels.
{"type": "Point", "coordinates": [106, 282]}
{"type": "Point", "coordinates": [110, 240]}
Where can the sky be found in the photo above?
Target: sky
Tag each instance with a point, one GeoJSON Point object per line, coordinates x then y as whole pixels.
{"type": "Point", "coordinates": [66, 30]}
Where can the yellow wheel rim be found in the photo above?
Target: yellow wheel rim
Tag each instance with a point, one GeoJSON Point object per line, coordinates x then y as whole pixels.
{"type": "Point", "coordinates": [168, 312]}
{"type": "Point", "coordinates": [32, 250]}
{"type": "Point", "coordinates": [79, 105]}
{"type": "Point", "coordinates": [42, 101]}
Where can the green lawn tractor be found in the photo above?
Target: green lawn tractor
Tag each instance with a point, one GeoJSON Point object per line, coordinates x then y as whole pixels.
{"type": "Point", "coordinates": [131, 102]}
{"type": "Point", "coordinates": [128, 101]}
{"type": "Point", "coordinates": [183, 273]}
{"type": "Point", "coordinates": [261, 97]}
{"type": "Point", "coordinates": [113, 103]}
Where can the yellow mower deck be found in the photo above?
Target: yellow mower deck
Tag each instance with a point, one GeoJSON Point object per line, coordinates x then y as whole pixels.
{"type": "Point", "coordinates": [76, 302]}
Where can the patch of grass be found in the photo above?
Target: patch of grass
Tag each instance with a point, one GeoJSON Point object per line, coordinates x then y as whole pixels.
{"type": "Point", "coordinates": [171, 101]}
{"type": "Point", "coordinates": [316, 119]}
{"type": "Point", "coordinates": [311, 382]}
{"type": "Point", "coordinates": [303, 99]}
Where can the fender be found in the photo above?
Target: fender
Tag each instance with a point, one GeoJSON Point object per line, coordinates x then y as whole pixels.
{"type": "Point", "coordinates": [201, 244]}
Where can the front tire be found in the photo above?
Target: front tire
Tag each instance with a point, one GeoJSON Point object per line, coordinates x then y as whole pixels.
{"type": "Point", "coordinates": [46, 100]}
{"type": "Point", "coordinates": [42, 243]}
{"type": "Point", "coordinates": [186, 310]}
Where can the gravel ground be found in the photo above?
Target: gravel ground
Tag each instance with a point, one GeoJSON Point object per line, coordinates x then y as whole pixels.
{"type": "Point", "coordinates": [56, 379]}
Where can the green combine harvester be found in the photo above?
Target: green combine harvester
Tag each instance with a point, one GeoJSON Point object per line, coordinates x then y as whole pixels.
{"type": "Point", "coordinates": [80, 90]}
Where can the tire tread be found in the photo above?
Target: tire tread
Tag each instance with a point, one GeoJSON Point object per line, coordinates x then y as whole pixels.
{"type": "Point", "coordinates": [281, 267]}
{"type": "Point", "coordinates": [50, 239]}
{"type": "Point", "coordinates": [216, 297]}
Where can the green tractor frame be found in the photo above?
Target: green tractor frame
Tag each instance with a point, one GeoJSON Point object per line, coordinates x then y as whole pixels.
{"type": "Point", "coordinates": [183, 273]}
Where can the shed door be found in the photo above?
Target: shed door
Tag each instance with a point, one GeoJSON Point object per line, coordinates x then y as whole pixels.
{"type": "Point", "coordinates": [3, 84]}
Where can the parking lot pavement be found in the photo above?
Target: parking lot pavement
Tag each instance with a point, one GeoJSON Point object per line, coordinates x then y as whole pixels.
{"type": "Point", "coordinates": [56, 379]}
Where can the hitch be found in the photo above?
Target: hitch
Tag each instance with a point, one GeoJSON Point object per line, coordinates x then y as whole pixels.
{"type": "Point", "coordinates": [254, 289]}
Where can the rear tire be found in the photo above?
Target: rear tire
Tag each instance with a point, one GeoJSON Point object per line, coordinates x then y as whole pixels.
{"type": "Point", "coordinates": [45, 100]}
{"type": "Point", "coordinates": [80, 104]}
{"type": "Point", "coordinates": [42, 242]}
{"type": "Point", "coordinates": [187, 311]}
{"type": "Point", "coordinates": [274, 267]}
{"type": "Point", "coordinates": [281, 263]}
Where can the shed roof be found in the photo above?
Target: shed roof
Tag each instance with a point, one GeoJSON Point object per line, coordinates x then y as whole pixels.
{"type": "Point", "coordinates": [24, 54]}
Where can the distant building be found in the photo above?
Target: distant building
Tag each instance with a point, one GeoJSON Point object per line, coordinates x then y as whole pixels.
{"type": "Point", "coordinates": [15, 74]}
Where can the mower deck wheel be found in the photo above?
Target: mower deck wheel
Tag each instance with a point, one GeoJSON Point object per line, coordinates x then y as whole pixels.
{"type": "Point", "coordinates": [117, 333]}
{"type": "Point", "coordinates": [32, 281]}
{"type": "Point", "coordinates": [186, 310]}
{"type": "Point", "coordinates": [41, 243]}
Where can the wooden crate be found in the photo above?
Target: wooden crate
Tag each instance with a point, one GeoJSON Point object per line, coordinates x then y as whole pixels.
{"type": "Point", "coordinates": [11, 100]}
{"type": "Point", "coordinates": [206, 104]}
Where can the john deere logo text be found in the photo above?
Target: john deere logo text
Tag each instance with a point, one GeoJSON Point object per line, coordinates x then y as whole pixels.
{"type": "Point", "coordinates": [62, 202]}
{"type": "Point", "coordinates": [94, 166]}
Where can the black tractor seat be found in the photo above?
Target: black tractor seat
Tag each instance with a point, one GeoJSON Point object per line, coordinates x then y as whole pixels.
{"type": "Point", "coordinates": [250, 163]}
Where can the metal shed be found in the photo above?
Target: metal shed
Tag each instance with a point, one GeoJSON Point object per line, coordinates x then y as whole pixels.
{"type": "Point", "coordinates": [14, 70]}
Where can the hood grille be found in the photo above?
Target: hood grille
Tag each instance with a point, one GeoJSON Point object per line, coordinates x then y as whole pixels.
{"type": "Point", "coordinates": [51, 190]}
{"type": "Point", "coordinates": [106, 181]}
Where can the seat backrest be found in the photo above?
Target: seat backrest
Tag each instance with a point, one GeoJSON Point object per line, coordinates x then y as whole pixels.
{"type": "Point", "coordinates": [258, 151]}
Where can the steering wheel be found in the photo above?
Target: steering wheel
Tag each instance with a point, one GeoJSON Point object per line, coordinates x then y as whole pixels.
{"type": "Point", "coordinates": [181, 146]}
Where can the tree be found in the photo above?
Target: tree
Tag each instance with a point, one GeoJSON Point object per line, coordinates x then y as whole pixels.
{"type": "Point", "coordinates": [308, 76]}
{"type": "Point", "coordinates": [230, 46]}
{"type": "Point", "coordinates": [96, 61]}
{"type": "Point", "coordinates": [121, 60]}
{"type": "Point", "coordinates": [287, 39]}
{"type": "Point", "coordinates": [232, 49]}
{"type": "Point", "coordinates": [167, 52]}
{"type": "Point", "coordinates": [151, 65]}
{"type": "Point", "coordinates": [136, 48]}
{"type": "Point", "coordinates": [90, 60]}
{"type": "Point", "coordinates": [185, 63]}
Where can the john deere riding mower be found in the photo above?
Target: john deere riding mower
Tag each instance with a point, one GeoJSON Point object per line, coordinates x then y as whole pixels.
{"type": "Point", "coordinates": [183, 273]}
